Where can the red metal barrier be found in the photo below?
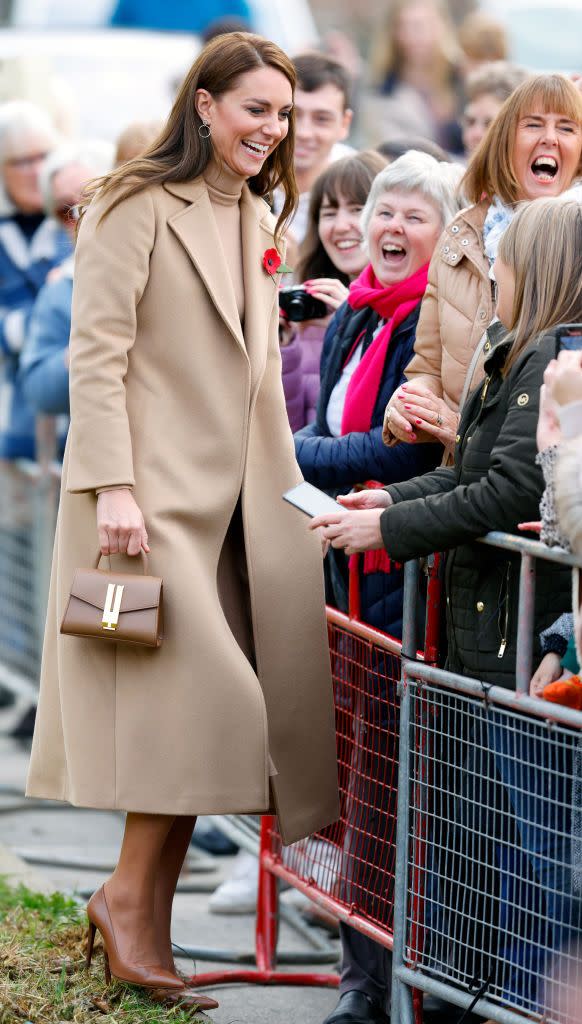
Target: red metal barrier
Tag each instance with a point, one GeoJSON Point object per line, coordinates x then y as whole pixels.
{"type": "Point", "coordinates": [348, 868]}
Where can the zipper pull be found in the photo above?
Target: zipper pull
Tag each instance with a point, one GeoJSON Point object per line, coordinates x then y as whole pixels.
{"type": "Point", "coordinates": [501, 650]}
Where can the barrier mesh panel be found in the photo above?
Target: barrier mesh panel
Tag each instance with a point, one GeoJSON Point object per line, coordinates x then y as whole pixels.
{"type": "Point", "coordinates": [353, 861]}
{"type": "Point", "coordinates": [495, 881]}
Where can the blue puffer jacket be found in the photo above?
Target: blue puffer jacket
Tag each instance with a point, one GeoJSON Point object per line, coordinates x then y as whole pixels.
{"type": "Point", "coordinates": [338, 463]}
{"type": "Point", "coordinates": [24, 265]}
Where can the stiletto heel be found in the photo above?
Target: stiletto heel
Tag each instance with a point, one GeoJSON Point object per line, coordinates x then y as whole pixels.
{"type": "Point", "coordinates": [90, 941]}
{"type": "Point", "coordinates": [107, 968]}
{"type": "Point", "coordinates": [146, 975]}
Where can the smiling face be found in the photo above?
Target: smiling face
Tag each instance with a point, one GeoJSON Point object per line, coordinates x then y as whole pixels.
{"type": "Point", "coordinates": [321, 120]}
{"type": "Point", "coordinates": [248, 122]}
{"type": "Point", "coordinates": [341, 235]}
{"type": "Point", "coordinates": [546, 154]}
{"type": "Point", "coordinates": [403, 231]}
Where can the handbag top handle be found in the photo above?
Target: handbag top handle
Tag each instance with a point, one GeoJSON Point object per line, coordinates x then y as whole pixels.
{"type": "Point", "coordinates": [144, 560]}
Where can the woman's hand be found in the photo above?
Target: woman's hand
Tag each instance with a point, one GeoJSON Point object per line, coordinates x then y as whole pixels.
{"type": "Point", "coordinates": [328, 290]}
{"type": "Point", "coordinates": [120, 524]}
{"type": "Point", "coordinates": [371, 498]}
{"type": "Point", "coordinates": [563, 378]}
{"type": "Point", "coordinates": [548, 671]}
{"type": "Point", "coordinates": [548, 430]}
{"type": "Point", "coordinates": [354, 531]}
{"type": "Point", "coordinates": [416, 414]}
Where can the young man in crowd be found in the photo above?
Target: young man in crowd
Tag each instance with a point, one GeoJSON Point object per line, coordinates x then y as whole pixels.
{"type": "Point", "coordinates": [323, 118]}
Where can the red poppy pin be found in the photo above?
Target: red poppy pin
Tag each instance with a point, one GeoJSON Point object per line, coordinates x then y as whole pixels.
{"type": "Point", "coordinates": [273, 264]}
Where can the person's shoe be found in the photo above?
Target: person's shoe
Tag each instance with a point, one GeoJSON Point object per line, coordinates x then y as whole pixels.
{"type": "Point", "coordinates": [357, 1008]}
{"type": "Point", "coordinates": [238, 894]}
{"type": "Point", "coordinates": [147, 975]}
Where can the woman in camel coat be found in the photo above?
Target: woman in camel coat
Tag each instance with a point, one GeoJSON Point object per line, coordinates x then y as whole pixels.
{"type": "Point", "coordinates": [178, 424]}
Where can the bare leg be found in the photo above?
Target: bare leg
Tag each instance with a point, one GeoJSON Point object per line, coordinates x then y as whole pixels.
{"type": "Point", "coordinates": [131, 889]}
{"type": "Point", "coordinates": [170, 864]}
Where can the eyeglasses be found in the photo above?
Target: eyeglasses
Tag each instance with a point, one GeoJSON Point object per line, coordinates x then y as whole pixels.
{"type": "Point", "coordinates": [67, 215]}
{"type": "Point", "coordinates": [21, 163]}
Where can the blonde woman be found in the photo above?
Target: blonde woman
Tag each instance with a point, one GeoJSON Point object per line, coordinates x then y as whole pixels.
{"type": "Point", "coordinates": [495, 484]}
{"type": "Point", "coordinates": [415, 72]}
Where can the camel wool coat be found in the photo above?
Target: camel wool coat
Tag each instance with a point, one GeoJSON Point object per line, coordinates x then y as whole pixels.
{"type": "Point", "coordinates": [234, 712]}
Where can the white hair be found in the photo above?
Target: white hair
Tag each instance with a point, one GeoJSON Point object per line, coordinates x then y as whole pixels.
{"type": "Point", "coordinates": [436, 181]}
{"type": "Point", "coordinates": [19, 118]}
{"type": "Point", "coordinates": [96, 155]}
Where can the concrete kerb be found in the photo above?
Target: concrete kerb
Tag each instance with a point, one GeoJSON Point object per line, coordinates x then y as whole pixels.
{"type": "Point", "coordinates": [15, 870]}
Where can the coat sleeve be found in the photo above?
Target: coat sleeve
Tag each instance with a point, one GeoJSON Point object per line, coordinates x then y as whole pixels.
{"type": "Point", "coordinates": [330, 462]}
{"type": "Point", "coordinates": [426, 363]}
{"type": "Point", "coordinates": [44, 376]}
{"type": "Point", "coordinates": [111, 272]}
{"type": "Point", "coordinates": [508, 493]}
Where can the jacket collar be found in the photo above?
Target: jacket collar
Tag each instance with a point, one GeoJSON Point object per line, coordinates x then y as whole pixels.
{"type": "Point", "coordinates": [195, 227]}
{"type": "Point", "coordinates": [463, 238]}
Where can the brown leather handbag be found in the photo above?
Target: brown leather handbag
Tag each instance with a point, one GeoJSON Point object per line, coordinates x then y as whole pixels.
{"type": "Point", "coordinates": [121, 607]}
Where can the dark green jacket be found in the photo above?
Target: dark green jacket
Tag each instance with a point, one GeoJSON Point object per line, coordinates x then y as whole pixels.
{"type": "Point", "coordinates": [494, 485]}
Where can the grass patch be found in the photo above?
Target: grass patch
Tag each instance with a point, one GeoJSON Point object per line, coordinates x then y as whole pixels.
{"type": "Point", "coordinates": [42, 975]}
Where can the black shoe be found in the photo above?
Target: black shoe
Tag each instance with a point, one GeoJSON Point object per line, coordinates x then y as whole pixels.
{"type": "Point", "coordinates": [357, 1008]}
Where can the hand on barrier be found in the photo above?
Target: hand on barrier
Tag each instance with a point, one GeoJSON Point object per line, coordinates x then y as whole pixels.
{"type": "Point", "coordinates": [120, 524]}
{"type": "Point", "coordinates": [369, 498]}
{"type": "Point", "coordinates": [548, 671]}
{"type": "Point", "coordinates": [357, 530]}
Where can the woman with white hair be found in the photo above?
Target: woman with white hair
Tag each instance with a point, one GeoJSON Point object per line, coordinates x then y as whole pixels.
{"type": "Point", "coordinates": [366, 351]}
{"type": "Point", "coordinates": [44, 361]}
{"type": "Point", "coordinates": [365, 354]}
{"type": "Point", "coordinates": [30, 246]}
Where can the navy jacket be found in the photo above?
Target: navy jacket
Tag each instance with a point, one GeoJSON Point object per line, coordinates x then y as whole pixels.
{"type": "Point", "coordinates": [338, 463]}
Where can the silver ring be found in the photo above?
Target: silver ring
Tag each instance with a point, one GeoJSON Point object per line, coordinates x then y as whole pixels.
{"type": "Point", "coordinates": [439, 420]}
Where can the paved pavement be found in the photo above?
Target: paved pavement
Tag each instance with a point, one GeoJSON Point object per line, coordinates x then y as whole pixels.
{"type": "Point", "coordinates": [58, 831]}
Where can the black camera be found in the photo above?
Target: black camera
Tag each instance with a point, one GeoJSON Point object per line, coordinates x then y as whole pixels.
{"type": "Point", "coordinates": [298, 305]}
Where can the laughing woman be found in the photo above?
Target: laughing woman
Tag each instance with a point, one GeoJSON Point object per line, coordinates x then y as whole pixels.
{"type": "Point", "coordinates": [532, 149]}
{"type": "Point", "coordinates": [179, 442]}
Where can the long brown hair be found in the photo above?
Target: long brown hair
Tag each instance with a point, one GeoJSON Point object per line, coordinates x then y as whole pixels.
{"type": "Point", "coordinates": [179, 154]}
{"type": "Point", "coordinates": [349, 178]}
{"type": "Point", "coordinates": [543, 248]}
{"type": "Point", "coordinates": [490, 171]}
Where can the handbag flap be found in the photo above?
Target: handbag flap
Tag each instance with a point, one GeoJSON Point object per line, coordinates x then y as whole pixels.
{"type": "Point", "coordinates": [139, 592]}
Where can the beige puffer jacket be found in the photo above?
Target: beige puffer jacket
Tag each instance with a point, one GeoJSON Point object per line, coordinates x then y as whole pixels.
{"type": "Point", "coordinates": [456, 309]}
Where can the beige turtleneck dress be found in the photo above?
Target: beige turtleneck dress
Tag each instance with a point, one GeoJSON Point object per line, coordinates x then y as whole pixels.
{"type": "Point", "coordinates": [224, 191]}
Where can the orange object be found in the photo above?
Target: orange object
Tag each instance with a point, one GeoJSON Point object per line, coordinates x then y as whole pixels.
{"type": "Point", "coordinates": [567, 692]}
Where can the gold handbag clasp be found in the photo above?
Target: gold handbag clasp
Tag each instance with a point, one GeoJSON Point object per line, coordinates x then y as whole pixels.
{"type": "Point", "coordinates": [112, 606]}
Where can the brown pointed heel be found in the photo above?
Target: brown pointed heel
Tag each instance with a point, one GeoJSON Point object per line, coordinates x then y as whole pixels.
{"type": "Point", "coordinates": [146, 975]}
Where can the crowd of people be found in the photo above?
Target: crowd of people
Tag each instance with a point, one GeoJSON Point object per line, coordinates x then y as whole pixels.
{"type": "Point", "coordinates": [420, 359]}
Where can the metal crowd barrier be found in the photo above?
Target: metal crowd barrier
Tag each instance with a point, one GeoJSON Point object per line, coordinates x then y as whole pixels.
{"type": "Point", "coordinates": [348, 869]}
{"type": "Point", "coordinates": [28, 507]}
{"type": "Point", "coordinates": [488, 890]}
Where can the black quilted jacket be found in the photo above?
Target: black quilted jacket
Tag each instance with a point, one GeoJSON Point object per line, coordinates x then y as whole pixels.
{"type": "Point", "coordinates": [494, 485]}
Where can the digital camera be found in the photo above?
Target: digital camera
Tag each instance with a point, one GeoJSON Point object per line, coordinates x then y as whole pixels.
{"type": "Point", "coordinates": [298, 305]}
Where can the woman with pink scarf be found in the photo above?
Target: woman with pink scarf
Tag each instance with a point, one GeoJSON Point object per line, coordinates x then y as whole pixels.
{"type": "Point", "coordinates": [364, 357]}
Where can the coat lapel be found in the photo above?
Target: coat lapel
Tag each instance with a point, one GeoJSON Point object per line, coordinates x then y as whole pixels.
{"type": "Point", "coordinates": [195, 227]}
{"type": "Point", "coordinates": [261, 289]}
